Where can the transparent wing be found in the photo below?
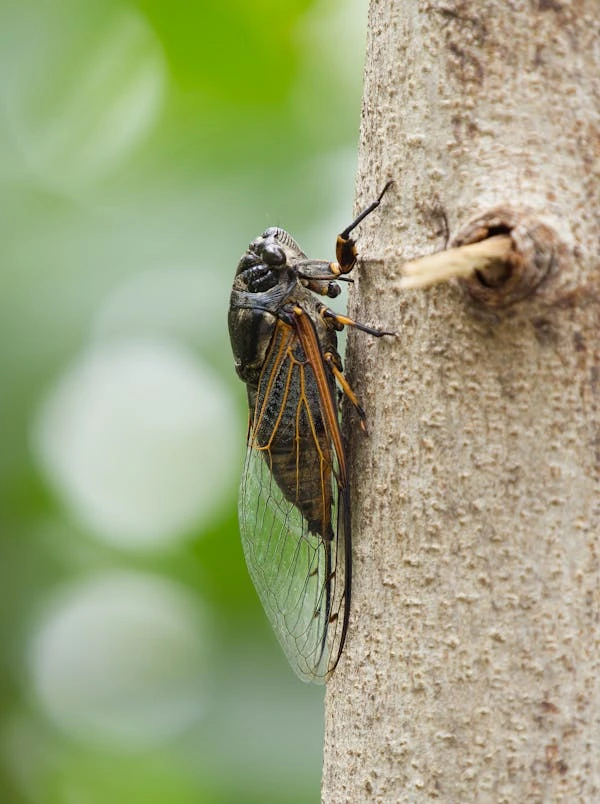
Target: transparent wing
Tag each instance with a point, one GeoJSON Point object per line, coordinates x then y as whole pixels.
{"type": "Point", "coordinates": [294, 508]}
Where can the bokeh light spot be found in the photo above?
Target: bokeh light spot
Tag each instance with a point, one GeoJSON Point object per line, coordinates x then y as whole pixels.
{"type": "Point", "coordinates": [140, 440]}
{"type": "Point", "coordinates": [121, 658]}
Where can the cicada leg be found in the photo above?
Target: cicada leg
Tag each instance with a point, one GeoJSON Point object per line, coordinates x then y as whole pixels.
{"type": "Point", "coordinates": [321, 276]}
{"type": "Point", "coordinates": [333, 361]}
{"type": "Point", "coordinates": [340, 321]}
{"type": "Point", "coordinates": [345, 248]}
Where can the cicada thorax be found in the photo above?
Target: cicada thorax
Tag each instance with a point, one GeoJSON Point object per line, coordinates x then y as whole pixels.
{"type": "Point", "coordinates": [289, 428]}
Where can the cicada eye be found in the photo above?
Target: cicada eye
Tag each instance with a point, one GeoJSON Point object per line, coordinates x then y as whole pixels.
{"type": "Point", "coordinates": [273, 254]}
{"type": "Point", "coordinates": [333, 290]}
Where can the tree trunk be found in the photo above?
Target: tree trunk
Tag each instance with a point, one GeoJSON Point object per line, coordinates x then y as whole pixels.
{"type": "Point", "coordinates": [472, 667]}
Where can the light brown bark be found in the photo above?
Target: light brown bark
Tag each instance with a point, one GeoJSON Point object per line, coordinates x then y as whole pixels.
{"type": "Point", "coordinates": [472, 667]}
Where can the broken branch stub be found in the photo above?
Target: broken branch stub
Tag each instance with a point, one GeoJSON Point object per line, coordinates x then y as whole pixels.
{"type": "Point", "coordinates": [501, 256]}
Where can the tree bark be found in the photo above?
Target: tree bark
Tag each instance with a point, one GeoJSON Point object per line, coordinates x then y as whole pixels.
{"type": "Point", "coordinates": [472, 667]}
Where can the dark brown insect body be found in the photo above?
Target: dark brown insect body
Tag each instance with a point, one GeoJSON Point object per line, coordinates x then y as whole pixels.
{"type": "Point", "coordinates": [294, 496]}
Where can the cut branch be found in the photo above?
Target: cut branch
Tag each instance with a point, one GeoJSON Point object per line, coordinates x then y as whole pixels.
{"type": "Point", "coordinates": [488, 257]}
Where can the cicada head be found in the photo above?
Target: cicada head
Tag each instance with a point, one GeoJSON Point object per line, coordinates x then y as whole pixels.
{"type": "Point", "coordinates": [269, 261]}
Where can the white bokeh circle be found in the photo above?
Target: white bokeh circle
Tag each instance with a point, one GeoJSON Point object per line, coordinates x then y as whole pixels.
{"type": "Point", "coordinates": [140, 440]}
{"type": "Point", "coordinates": [121, 658]}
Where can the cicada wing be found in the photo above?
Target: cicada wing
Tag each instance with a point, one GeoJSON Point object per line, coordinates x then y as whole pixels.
{"type": "Point", "coordinates": [294, 506]}
{"type": "Point", "coordinates": [299, 575]}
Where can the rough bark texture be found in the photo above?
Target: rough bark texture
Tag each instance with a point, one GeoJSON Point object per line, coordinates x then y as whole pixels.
{"type": "Point", "coordinates": [472, 668]}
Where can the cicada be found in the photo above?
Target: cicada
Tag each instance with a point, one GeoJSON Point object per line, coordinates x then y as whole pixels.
{"type": "Point", "coordinates": [294, 503]}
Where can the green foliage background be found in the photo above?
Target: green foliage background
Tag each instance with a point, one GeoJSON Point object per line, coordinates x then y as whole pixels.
{"type": "Point", "coordinates": [142, 146]}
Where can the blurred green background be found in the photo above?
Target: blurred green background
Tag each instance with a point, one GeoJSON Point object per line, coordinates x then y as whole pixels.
{"type": "Point", "coordinates": [142, 146]}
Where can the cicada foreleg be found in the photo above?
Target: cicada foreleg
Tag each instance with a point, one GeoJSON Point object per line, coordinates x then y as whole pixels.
{"type": "Point", "coordinates": [345, 248]}
{"type": "Point", "coordinates": [322, 277]}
